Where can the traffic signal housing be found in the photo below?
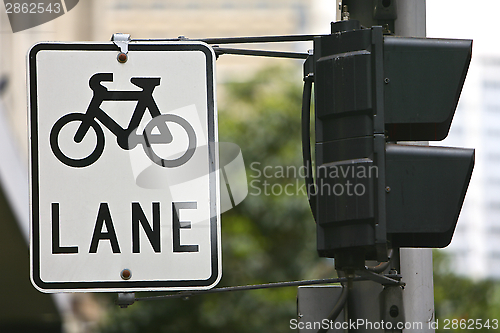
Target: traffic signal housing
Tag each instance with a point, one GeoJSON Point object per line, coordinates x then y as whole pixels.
{"type": "Point", "coordinates": [370, 193]}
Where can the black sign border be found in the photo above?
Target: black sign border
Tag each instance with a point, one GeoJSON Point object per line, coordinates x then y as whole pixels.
{"type": "Point", "coordinates": [124, 285]}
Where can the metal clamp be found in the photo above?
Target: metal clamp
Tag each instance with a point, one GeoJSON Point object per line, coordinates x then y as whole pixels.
{"type": "Point", "coordinates": [125, 299]}
{"type": "Point", "coordinates": [388, 279]}
{"type": "Point", "coordinates": [121, 40]}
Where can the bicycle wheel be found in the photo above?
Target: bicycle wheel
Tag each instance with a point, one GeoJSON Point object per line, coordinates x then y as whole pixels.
{"type": "Point", "coordinates": [75, 162]}
{"type": "Point", "coordinates": [160, 122]}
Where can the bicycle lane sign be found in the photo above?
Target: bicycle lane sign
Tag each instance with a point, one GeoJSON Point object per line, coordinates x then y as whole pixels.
{"type": "Point", "coordinates": [96, 126]}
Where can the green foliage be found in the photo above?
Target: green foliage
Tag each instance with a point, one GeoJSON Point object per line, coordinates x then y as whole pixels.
{"type": "Point", "coordinates": [463, 300]}
{"type": "Point", "coordinates": [267, 238]}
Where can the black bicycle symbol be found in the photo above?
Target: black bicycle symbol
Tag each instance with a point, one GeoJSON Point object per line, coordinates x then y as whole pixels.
{"type": "Point", "coordinates": [126, 137]}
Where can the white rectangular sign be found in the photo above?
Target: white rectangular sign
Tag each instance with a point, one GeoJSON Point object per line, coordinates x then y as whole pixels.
{"type": "Point", "coordinates": [124, 167]}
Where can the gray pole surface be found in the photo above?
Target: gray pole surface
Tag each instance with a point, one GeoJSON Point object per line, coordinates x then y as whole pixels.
{"type": "Point", "coordinates": [411, 18]}
{"type": "Point", "coordinates": [416, 264]}
{"type": "Point", "coordinates": [418, 295]}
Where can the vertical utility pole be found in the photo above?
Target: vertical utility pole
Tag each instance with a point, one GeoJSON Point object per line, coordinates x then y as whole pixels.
{"type": "Point", "coordinates": [416, 264]}
{"type": "Point", "coordinates": [410, 20]}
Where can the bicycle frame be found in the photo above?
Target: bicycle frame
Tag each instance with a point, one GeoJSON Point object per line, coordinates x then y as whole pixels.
{"type": "Point", "coordinates": [144, 99]}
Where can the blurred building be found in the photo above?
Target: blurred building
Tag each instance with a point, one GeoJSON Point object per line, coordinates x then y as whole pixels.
{"type": "Point", "coordinates": [475, 246]}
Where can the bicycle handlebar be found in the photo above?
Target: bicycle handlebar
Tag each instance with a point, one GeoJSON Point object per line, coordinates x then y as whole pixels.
{"type": "Point", "coordinates": [146, 83]}
{"type": "Point", "coordinates": [96, 79]}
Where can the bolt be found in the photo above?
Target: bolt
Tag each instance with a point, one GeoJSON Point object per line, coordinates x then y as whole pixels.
{"type": "Point", "coordinates": [394, 311]}
{"type": "Point", "coordinates": [386, 29]}
{"type": "Point", "coordinates": [126, 274]}
{"type": "Point", "coordinates": [386, 80]}
{"type": "Point", "coordinates": [388, 189]}
{"type": "Point", "coordinates": [122, 57]}
{"type": "Point", "coordinates": [345, 13]}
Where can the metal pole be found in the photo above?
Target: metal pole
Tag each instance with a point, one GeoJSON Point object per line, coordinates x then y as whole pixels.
{"type": "Point", "coordinates": [416, 264]}
{"type": "Point", "coordinates": [418, 295]}
{"type": "Point", "coordinates": [410, 20]}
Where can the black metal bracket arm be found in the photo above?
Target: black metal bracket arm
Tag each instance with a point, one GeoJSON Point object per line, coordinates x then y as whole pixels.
{"type": "Point", "coordinates": [388, 279]}
{"type": "Point", "coordinates": [260, 53]}
{"type": "Point", "coordinates": [246, 40]}
{"type": "Point", "coordinates": [238, 40]}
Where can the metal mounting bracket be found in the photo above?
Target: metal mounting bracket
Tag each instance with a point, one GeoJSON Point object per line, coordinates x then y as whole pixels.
{"type": "Point", "coordinates": [121, 40]}
{"type": "Point", "coordinates": [125, 299]}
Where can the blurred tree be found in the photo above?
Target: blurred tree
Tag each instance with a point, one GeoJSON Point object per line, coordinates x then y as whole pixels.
{"type": "Point", "coordinates": [461, 300]}
{"type": "Point", "coordinates": [269, 237]}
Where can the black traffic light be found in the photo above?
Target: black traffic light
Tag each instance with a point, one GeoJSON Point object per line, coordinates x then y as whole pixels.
{"type": "Point", "coordinates": [372, 90]}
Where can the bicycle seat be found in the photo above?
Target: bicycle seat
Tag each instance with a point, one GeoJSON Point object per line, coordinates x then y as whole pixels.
{"type": "Point", "coordinates": [146, 83]}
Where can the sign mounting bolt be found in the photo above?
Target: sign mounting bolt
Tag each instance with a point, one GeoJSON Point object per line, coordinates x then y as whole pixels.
{"type": "Point", "coordinates": [122, 57]}
{"type": "Point", "coordinates": [126, 274]}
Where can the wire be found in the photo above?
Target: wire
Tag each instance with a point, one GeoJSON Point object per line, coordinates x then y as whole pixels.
{"type": "Point", "coordinates": [379, 268]}
{"type": "Point", "coordinates": [306, 140]}
{"type": "Point", "coordinates": [336, 309]}
{"type": "Point", "coordinates": [382, 266]}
